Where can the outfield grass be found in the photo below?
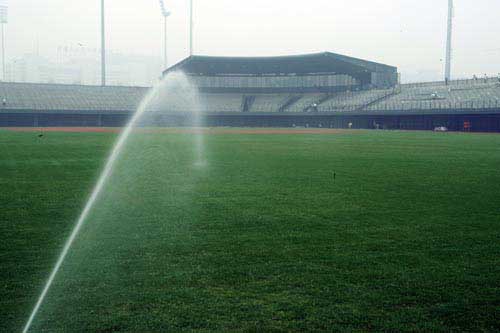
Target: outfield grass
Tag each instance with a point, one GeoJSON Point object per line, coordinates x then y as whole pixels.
{"type": "Point", "coordinates": [406, 238]}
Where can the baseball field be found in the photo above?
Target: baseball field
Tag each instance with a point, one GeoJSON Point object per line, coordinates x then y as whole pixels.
{"type": "Point", "coordinates": [277, 231]}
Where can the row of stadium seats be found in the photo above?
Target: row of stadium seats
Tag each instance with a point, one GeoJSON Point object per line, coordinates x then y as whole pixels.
{"type": "Point", "coordinates": [23, 96]}
{"type": "Point", "coordinates": [356, 100]}
{"type": "Point", "coordinates": [471, 94]}
{"type": "Point", "coordinates": [306, 102]}
{"type": "Point", "coordinates": [269, 102]}
{"type": "Point", "coordinates": [50, 97]}
{"type": "Point", "coordinates": [221, 102]}
{"type": "Point", "coordinates": [482, 94]}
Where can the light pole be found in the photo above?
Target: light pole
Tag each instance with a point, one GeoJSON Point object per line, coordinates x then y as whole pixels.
{"type": "Point", "coordinates": [3, 21]}
{"type": "Point", "coordinates": [165, 15]}
{"type": "Point", "coordinates": [447, 71]}
{"type": "Point", "coordinates": [103, 46]}
{"type": "Point", "coordinates": [191, 27]}
{"type": "Point", "coordinates": [3, 51]}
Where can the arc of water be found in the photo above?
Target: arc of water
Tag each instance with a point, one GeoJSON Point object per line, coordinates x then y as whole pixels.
{"type": "Point", "coordinates": [90, 203]}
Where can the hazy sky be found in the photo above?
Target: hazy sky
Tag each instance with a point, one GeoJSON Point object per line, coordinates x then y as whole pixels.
{"type": "Point", "coordinates": [409, 34]}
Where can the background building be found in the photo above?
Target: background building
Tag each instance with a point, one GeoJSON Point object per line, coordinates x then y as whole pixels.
{"type": "Point", "coordinates": [80, 65]}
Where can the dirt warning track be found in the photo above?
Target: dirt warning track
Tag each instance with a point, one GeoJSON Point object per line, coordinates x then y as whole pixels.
{"type": "Point", "coordinates": [213, 130]}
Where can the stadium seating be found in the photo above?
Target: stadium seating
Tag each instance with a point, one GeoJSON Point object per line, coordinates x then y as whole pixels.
{"type": "Point", "coordinates": [351, 101]}
{"type": "Point", "coordinates": [268, 102]}
{"type": "Point", "coordinates": [465, 94]}
{"type": "Point", "coordinates": [305, 102]}
{"type": "Point", "coordinates": [58, 97]}
{"type": "Point", "coordinates": [221, 102]}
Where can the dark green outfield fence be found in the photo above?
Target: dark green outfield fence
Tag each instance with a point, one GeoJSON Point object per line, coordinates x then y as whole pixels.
{"type": "Point", "coordinates": [478, 121]}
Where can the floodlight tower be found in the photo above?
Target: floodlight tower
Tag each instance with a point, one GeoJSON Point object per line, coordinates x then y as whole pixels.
{"type": "Point", "coordinates": [165, 15]}
{"type": "Point", "coordinates": [191, 27]}
{"type": "Point", "coordinates": [103, 46]}
{"type": "Point", "coordinates": [3, 21]}
{"type": "Point", "coordinates": [447, 71]}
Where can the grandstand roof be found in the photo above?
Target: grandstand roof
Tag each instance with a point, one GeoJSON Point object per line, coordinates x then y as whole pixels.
{"type": "Point", "coordinates": [316, 63]}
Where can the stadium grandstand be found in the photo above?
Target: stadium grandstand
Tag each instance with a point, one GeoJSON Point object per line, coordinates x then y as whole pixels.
{"type": "Point", "coordinates": [316, 90]}
{"type": "Point", "coordinates": [39, 105]}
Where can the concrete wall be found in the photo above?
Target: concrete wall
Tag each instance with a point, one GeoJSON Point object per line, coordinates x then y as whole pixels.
{"type": "Point", "coordinates": [455, 122]}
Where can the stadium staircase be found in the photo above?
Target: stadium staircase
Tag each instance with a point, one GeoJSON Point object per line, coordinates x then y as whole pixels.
{"type": "Point", "coordinates": [379, 99]}
{"type": "Point", "coordinates": [247, 103]}
{"type": "Point", "coordinates": [289, 102]}
{"type": "Point", "coordinates": [322, 100]}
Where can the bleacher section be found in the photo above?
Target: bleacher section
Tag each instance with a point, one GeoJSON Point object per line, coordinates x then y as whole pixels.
{"type": "Point", "coordinates": [268, 102]}
{"type": "Point", "coordinates": [305, 102]}
{"type": "Point", "coordinates": [59, 97]}
{"type": "Point", "coordinates": [353, 101]}
{"type": "Point", "coordinates": [466, 94]}
{"type": "Point", "coordinates": [457, 95]}
{"type": "Point", "coordinates": [221, 102]}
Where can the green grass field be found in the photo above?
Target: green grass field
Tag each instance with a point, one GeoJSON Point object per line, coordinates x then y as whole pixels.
{"type": "Point", "coordinates": [406, 238]}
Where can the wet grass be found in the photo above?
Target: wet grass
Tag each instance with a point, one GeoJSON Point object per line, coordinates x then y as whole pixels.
{"type": "Point", "coordinates": [405, 238]}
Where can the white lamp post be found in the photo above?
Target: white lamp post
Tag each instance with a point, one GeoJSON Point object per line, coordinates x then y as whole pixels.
{"type": "Point", "coordinates": [191, 27]}
{"type": "Point", "coordinates": [165, 15]}
{"type": "Point", "coordinates": [3, 21]}
{"type": "Point", "coordinates": [447, 71]}
{"type": "Point", "coordinates": [103, 46]}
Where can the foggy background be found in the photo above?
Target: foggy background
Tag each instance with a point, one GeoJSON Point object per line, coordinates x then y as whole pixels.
{"type": "Point", "coordinates": [59, 40]}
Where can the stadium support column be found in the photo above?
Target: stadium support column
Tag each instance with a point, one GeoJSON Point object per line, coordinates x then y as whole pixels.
{"type": "Point", "coordinates": [191, 27]}
{"type": "Point", "coordinates": [447, 75]}
{"type": "Point", "coordinates": [103, 46]}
